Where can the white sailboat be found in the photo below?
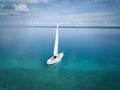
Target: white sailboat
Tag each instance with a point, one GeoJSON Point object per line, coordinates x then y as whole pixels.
{"type": "Point", "coordinates": [56, 56]}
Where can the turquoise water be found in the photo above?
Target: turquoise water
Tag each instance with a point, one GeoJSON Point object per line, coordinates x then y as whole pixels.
{"type": "Point", "coordinates": [91, 59]}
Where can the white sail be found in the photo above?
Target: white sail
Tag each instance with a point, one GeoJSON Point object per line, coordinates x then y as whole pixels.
{"type": "Point", "coordinates": [55, 52]}
{"type": "Point", "coordinates": [56, 56]}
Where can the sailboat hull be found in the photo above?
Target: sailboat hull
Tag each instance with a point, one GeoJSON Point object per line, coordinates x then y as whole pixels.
{"type": "Point", "coordinates": [53, 60]}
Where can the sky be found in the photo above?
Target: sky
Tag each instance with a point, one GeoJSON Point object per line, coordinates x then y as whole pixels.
{"type": "Point", "coordinates": [65, 12]}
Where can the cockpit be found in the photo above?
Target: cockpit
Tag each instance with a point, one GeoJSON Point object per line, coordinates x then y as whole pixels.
{"type": "Point", "coordinates": [55, 57]}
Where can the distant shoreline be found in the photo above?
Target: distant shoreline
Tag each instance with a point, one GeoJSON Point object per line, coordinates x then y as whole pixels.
{"type": "Point", "coordinates": [62, 26]}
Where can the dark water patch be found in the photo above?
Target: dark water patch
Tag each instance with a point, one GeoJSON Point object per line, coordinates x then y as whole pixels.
{"type": "Point", "coordinates": [54, 78]}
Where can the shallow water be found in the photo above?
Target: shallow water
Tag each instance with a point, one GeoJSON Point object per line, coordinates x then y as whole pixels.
{"type": "Point", "coordinates": [91, 59]}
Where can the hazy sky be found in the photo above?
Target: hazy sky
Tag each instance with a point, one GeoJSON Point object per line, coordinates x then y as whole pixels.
{"type": "Point", "coordinates": [76, 12]}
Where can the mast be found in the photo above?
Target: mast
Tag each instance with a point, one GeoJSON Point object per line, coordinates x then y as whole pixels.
{"type": "Point", "coordinates": [55, 52]}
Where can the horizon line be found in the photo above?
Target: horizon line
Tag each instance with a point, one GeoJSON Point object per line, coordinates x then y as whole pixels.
{"type": "Point", "coordinates": [61, 26]}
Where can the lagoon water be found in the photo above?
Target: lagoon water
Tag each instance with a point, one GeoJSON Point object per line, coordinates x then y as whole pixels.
{"type": "Point", "coordinates": [91, 59]}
